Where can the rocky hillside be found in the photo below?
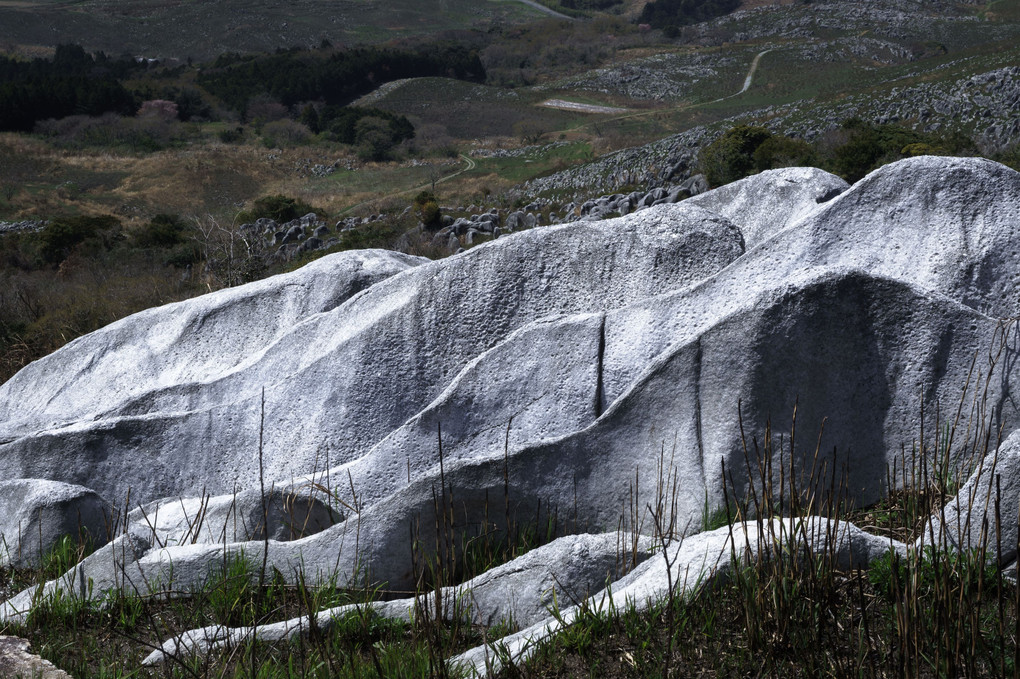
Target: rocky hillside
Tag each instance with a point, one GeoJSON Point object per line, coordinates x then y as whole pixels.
{"type": "Point", "coordinates": [551, 366]}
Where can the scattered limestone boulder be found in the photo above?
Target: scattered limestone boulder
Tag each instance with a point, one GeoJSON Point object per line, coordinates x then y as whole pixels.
{"type": "Point", "coordinates": [35, 514]}
{"type": "Point", "coordinates": [694, 185]}
{"type": "Point", "coordinates": [16, 662]}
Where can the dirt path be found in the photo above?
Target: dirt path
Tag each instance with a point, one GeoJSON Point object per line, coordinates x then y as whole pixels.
{"type": "Point", "coordinates": [750, 76]}
{"type": "Point", "coordinates": [543, 8]}
{"type": "Point", "coordinates": [582, 108]}
{"type": "Point", "coordinates": [469, 165]}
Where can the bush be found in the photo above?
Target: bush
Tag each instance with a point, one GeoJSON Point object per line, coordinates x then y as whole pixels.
{"type": "Point", "coordinates": [164, 231]}
{"type": "Point", "coordinates": [285, 133]}
{"type": "Point", "coordinates": [232, 136]}
{"type": "Point", "coordinates": [373, 138]}
{"type": "Point", "coordinates": [662, 13]}
{"type": "Point", "coordinates": [430, 215]}
{"type": "Point", "coordinates": [66, 234]}
{"type": "Point", "coordinates": [426, 206]}
{"type": "Point", "coordinates": [871, 146]}
{"type": "Point", "coordinates": [731, 156]}
{"type": "Point", "coordinates": [279, 208]}
{"type": "Point", "coordinates": [784, 152]}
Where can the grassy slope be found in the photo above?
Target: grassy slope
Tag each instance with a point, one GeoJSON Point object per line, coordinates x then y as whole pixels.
{"type": "Point", "coordinates": [202, 30]}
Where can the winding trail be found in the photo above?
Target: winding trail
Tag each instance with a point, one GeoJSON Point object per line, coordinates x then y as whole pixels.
{"type": "Point", "coordinates": [469, 165]}
{"type": "Point", "coordinates": [542, 8]}
{"type": "Point", "coordinates": [747, 84]}
{"type": "Point", "coordinates": [750, 76]}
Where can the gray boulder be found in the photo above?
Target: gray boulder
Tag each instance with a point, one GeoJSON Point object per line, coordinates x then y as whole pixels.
{"type": "Point", "coordinates": [16, 661]}
{"type": "Point", "coordinates": [238, 517]}
{"type": "Point", "coordinates": [695, 185]}
{"type": "Point", "coordinates": [294, 234]}
{"type": "Point", "coordinates": [266, 225]}
{"type": "Point", "coordinates": [766, 203]}
{"type": "Point", "coordinates": [36, 514]}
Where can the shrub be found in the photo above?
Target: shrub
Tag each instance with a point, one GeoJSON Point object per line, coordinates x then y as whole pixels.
{"type": "Point", "coordinates": [373, 138]}
{"type": "Point", "coordinates": [783, 152]}
{"type": "Point", "coordinates": [232, 136]}
{"type": "Point", "coordinates": [164, 231]}
{"type": "Point", "coordinates": [65, 234]}
{"type": "Point", "coordinates": [279, 207]}
{"type": "Point", "coordinates": [426, 206]}
{"type": "Point", "coordinates": [159, 108]}
{"type": "Point", "coordinates": [285, 133]}
{"type": "Point", "coordinates": [870, 146]}
{"type": "Point", "coordinates": [731, 156]}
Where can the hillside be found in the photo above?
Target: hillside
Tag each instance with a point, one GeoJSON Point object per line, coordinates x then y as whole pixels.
{"type": "Point", "coordinates": [179, 31]}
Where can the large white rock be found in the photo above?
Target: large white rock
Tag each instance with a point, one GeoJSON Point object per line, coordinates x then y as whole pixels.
{"type": "Point", "coordinates": [764, 204]}
{"type": "Point", "coordinates": [569, 368]}
{"type": "Point", "coordinates": [336, 382]}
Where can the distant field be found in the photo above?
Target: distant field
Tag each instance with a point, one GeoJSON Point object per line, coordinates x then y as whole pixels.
{"type": "Point", "coordinates": [466, 110]}
{"type": "Point", "coordinates": [154, 29]}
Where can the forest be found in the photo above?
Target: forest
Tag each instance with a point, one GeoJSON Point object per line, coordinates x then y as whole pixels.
{"type": "Point", "coordinates": [75, 83]}
{"type": "Point", "coordinates": [295, 76]}
{"type": "Point", "coordinates": [674, 13]}
{"type": "Point", "coordinates": [72, 83]}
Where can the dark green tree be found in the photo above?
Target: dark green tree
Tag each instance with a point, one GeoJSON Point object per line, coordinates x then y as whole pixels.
{"type": "Point", "coordinates": [731, 156]}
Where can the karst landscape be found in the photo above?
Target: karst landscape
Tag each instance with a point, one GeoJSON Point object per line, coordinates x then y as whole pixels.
{"type": "Point", "coordinates": [608, 338]}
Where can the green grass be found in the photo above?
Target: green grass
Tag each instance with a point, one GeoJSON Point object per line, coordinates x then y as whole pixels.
{"type": "Point", "coordinates": [543, 161]}
{"type": "Point", "coordinates": [1003, 10]}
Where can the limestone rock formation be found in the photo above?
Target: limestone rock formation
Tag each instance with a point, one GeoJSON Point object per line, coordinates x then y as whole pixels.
{"type": "Point", "coordinates": [35, 514]}
{"type": "Point", "coordinates": [17, 662]}
{"type": "Point", "coordinates": [568, 368]}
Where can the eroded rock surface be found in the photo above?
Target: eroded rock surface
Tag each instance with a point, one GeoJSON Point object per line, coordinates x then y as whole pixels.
{"type": "Point", "coordinates": [567, 368]}
{"type": "Point", "coordinates": [16, 662]}
{"type": "Point", "coordinates": [35, 514]}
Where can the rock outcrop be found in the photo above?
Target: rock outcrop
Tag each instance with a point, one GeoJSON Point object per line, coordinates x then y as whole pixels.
{"type": "Point", "coordinates": [36, 514]}
{"type": "Point", "coordinates": [571, 368]}
{"type": "Point", "coordinates": [17, 662]}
